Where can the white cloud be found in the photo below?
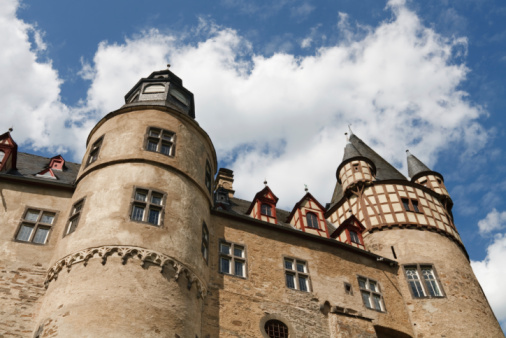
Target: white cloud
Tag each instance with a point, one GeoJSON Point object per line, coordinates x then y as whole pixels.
{"type": "Point", "coordinates": [493, 221]}
{"type": "Point", "coordinates": [280, 117]}
{"type": "Point", "coordinates": [491, 275]}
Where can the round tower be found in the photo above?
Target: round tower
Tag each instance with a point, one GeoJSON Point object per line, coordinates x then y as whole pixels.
{"type": "Point", "coordinates": [411, 222]}
{"type": "Point", "coordinates": [132, 261]}
{"type": "Point", "coordinates": [354, 168]}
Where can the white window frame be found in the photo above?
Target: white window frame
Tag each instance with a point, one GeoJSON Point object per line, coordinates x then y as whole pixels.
{"type": "Point", "coordinates": [425, 287]}
{"type": "Point", "coordinates": [232, 257]}
{"type": "Point", "coordinates": [295, 274]}
{"type": "Point", "coordinates": [370, 291]}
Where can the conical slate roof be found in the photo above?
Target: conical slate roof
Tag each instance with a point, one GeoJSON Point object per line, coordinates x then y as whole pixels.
{"type": "Point", "coordinates": [415, 166]}
{"type": "Point", "coordinates": [350, 152]}
{"type": "Point", "coordinates": [384, 170]}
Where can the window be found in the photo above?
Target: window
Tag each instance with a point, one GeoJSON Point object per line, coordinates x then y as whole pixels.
{"type": "Point", "coordinates": [371, 294]}
{"type": "Point", "coordinates": [423, 281]}
{"type": "Point", "coordinates": [160, 141]}
{"type": "Point", "coordinates": [312, 220]}
{"type": "Point", "coordinates": [35, 226]}
{"type": "Point", "coordinates": [276, 329]}
{"type": "Point", "coordinates": [232, 259]}
{"type": "Point", "coordinates": [95, 149]}
{"type": "Point", "coordinates": [155, 88]}
{"type": "Point", "coordinates": [147, 206]}
{"type": "Point", "coordinates": [348, 289]}
{"type": "Point", "coordinates": [355, 167]}
{"type": "Point", "coordinates": [208, 176]}
{"type": "Point", "coordinates": [410, 205]}
{"type": "Point", "coordinates": [75, 214]}
{"type": "Point", "coordinates": [354, 237]}
{"type": "Point", "coordinates": [205, 242]}
{"type": "Point", "coordinates": [296, 274]}
{"type": "Point", "coordinates": [266, 209]}
{"type": "Point", "coordinates": [2, 155]}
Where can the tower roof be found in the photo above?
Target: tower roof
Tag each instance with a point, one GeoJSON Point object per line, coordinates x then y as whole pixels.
{"type": "Point", "coordinates": [417, 168]}
{"type": "Point", "coordinates": [384, 170]}
{"type": "Point", "coordinates": [350, 152]}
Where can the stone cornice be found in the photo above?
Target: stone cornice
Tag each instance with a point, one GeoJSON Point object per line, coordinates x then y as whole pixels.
{"type": "Point", "coordinates": [126, 252]}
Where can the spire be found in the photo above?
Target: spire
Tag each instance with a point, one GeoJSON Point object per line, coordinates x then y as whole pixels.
{"type": "Point", "coordinates": [350, 151]}
{"type": "Point", "coordinates": [415, 166]}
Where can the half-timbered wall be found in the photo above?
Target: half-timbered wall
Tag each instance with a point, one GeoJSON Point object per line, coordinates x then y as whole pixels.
{"type": "Point", "coordinates": [299, 220]}
{"type": "Point", "coordinates": [382, 205]}
{"type": "Point", "coordinates": [355, 171]}
{"type": "Point", "coordinates": [433, 182]}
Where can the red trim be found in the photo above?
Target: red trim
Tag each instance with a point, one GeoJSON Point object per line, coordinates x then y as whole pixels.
{"type": "Point", "coordinates": [301, 220]}
{"type": "Point", "coordinates": [10, 149]}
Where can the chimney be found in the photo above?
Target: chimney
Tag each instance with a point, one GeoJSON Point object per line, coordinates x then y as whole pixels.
{"type": "Point", "coordinates": [225, 179]}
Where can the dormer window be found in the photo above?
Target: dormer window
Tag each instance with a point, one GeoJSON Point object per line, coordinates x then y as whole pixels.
{"type": "Point", "coordinates": [153, 89]}
{"type": "Point", "coordinates": [312, 220]}
{"type": "Point", "coordinates": [354, 237]}
{"type": "Point", "coordinates": [2, 155]}
{"type": "Point", "coordinates": [266, 210]}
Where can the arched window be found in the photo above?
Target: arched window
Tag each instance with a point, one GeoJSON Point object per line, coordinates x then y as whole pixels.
{"type": "Point", "coordinates": [276, 329]}
{"type": "Point", "coordinates": [312, 220]}
{"type": "Point", "coordinates": [2, 155]}
{"type": "Point", "coordinates": [266, 210]}
{"type": "Point", "coordinates": [156, 88]}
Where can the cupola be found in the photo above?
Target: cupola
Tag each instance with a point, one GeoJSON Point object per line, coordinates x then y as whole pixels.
{"type": "Point", "coordinates": [421, 174]}
{"type": "Point", "coordinates": [354, 168]}
{"type": "Point", "coordinates": [162, 88]}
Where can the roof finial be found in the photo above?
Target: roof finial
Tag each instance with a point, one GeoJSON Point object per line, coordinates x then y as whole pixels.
{"type": "Point", "coordinates": [305, 188]}
{"type": "Point", "coordinates": [407, 152]}
{"type": "Point", "coordinates": [349, 127]}
{"type": "Point", "coordinates": [11, 130]}
{"type": "Point", "coordinates": [168, 65]}
{"type": "Point", "coordinates": [347, 138]}
{"type": "Point", "coordinates": [265, 181]}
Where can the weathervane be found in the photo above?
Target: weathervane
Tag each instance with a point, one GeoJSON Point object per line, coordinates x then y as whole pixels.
{"type": "Point", "coordinates": [305, 188]}
{"type": "Point", "coordinates": [265, 181]}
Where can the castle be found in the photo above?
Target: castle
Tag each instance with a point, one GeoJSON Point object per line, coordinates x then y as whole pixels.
{"type": "Point", "coordinates": [144, 239]}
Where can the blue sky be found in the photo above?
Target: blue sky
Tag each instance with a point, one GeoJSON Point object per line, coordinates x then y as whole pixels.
{"type": "Point", "coordinates": [276, 84]}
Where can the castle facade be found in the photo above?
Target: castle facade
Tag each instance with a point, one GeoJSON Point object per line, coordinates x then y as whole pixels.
{"type": "Point", "coordinates": [145, 238]}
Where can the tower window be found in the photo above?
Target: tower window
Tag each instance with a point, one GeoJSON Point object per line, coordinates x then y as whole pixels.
{"type": "Point", "coordinates": [160, 141]}
{"type": "Point", "coordinates": [75, 214]}
{"type": "Point", "coordinates": [312, 220]}
{"type": "Point", "coordinates": [154, 88]}
{"type": "Point", "coordinates": [147, 206]}
{"type": "Point", "coordinates": [95, 149]}
{"type": "Point", "coordinates": [35, 226]}
{"type": "Point", "coordinates": [410, 205]}
{"type": "Point", "coordinates": [232, 259]}
{"type": "Point", "coordinates": [371, 294]}
{"type": "Point", "coordinates": [205, 242]}
{"type": "Point", "coordinates": [296, 274]}
{"type": "Point", "coordinates": [276, 329]}
{"type": "Point", "coordinates": [423, 281]}
{"type": "Point", "coordinates": [266, 209]}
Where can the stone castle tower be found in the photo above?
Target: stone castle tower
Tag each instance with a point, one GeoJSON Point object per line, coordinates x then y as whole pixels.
{"type": "Point", "coordinates": [139, 241]}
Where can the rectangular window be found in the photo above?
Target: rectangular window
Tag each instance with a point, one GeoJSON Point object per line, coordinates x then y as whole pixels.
{"type": "Point", "coordinates": [161, 141]}
{"type": "Point", "coordinates": [410, 205]}
{"type": "Point", "coordinates": [95, 149]}
{"type": "Point", "coordinates": [354, 237]}
{"type": "Point", "coordinates": [205, 242]}
{"type": "Point", "coordinates": [75, 214]}
{"type": "Point", "coordinates": [147, 206]}
{"type": "Point", "coordinates": [423, 281]}
{"type": "Point", "coordinates": [35, 226]}
{"type": "Point", "coordinates": [371, 294]}
{"type": "Point", "coordinates": [296, 274]}
{"type": "Point", "coordinates": [233, 259]}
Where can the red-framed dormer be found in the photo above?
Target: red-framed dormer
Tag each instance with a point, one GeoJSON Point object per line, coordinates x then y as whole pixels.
{"type": "Point", "coordinates": [8, 152]}
{"type": "Point", "coordinates": [263, 206]}
{"type": "Point", "coordinates": [57, 162]}
{"type": "Point", "coordinates": [47, 173]}
{"type": "Point", "coordinates": [308, 215]}
{"type": "Point", "coordinates": [350, 232]}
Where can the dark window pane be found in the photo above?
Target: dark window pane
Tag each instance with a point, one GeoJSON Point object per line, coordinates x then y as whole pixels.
{"type": "Point", "coordinates": [312, 220]}
{"type": "Point", "coordinates": [167, 136]}
{"type": "Point", "coordinates": [366, 300]}
{"type": "Point", "coordinates": [290, 281]}
{"type": "Point", "coordinates": [73, 224]}
{"type": "Point", "coordinates": [239, 268]}
{"type": "Point", "coordinates": [156, 199]}
{"type": "Point", "coordinates": [276, 329]}
{"type": "Point", "coordinates": [32, 215]}
{"type": "Point", "coordinates": [238, 251]}
{"type": "Point", "coordinates": [137, 213]}
{"type": "Point", "coordinates": [41, 235]}
{"type": "Point", "coordinates": [78, 207]}
{"type": "Point", "coordinates": [377, 302]}
{"type": "Point", "coordinates": [415, 205]}
{"type": "Point", "coordinates": [301, 267]}
{"type": "Point", "coordinates": [288, 264]}
{"type": "Point", "coordinates": [303, 285]}
{"type": "Point", "coordinates": [47, 218]}
{"type": "Point", "coordinates": [266, 210]}
{"type": "Point", "coordinates": [354, 237]}
{"type": "Point", "coordinates": [361, 283]}
{"type": "Point", "coordinates": [24, 232]}
{"type": "Point", "coordinates": [154, 132]}
{"type": "Point", "coordinates": [166, 148]}
{"type": "Point", "coordinates": [224, 265]}
{"type": "Point", "coordinates": [154, 216]}
{"type": "Point", "coordinates": [152, 145]}
{"type": "Point", "coordinates": [224, 248]}
{"type": "Point", "coordinates": [405, 202]}
{"type": "Point", "coordinates": [140, 195]}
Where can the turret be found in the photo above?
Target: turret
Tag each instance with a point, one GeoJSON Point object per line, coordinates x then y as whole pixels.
{"type": "Point", "coordinates": [138, 215]}
{"type": "Point", "coordinates": [421, 174]}
{"type": "Point", "coordinates": [354, 168]}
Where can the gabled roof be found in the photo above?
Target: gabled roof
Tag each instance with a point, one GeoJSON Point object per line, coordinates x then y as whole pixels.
{"type": "Point", "coordinates": [384, 170]}
{"type": "Point", "coordinates": [7, 142]}
{"type": "Point", "coordinates": [298, 205]}
{"type": "Point", "coordinates": [350, 221]}
{"type": "Point", "coordinates": [265, 195]}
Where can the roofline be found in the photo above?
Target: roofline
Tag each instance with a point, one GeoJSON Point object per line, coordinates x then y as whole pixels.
{"type": "Point", "coordinates": [37, 181]}
{"type": "Point", "coordinates": [427, 172]}
{"type": "Point", "coordinates": [315, 238]}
